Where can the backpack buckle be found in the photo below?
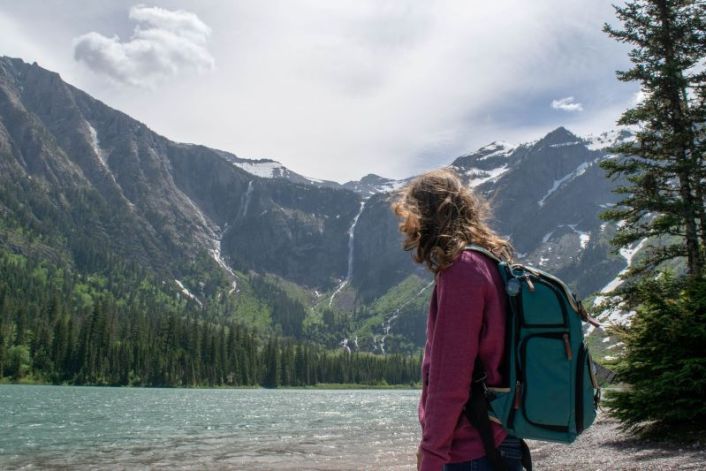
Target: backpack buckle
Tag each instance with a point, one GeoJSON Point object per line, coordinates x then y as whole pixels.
{"type": "Point", "coordinates": [487, 393]}
{"type": "Point", "coordinates": [587, 317]}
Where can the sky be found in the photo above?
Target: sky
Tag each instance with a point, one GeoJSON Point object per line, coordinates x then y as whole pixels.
{"type": "Point", "coordinates": [336, 89]}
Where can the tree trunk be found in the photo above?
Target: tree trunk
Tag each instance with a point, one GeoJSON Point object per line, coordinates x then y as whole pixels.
{"type": "Point", "coordinates": [680, 126]}
{"type": "Point", "coordinates": [701, 206]}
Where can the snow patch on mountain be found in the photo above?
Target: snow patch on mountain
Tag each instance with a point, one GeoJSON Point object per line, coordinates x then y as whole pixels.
{"type": "Point", "coordinates": [601, 141]}
{"type": "Point", "coordinates": [628, 254]}
{"type": "Point", "coordinates": [566, 144]}
{"type": "Point", "coordinates": [609, 138]}
{"type": "Point", "coordinates": [387, 187]}
{"type": "Point", "coordinates": [495, 149]}
{"type": "Point", "coordinates": [547, 236]}
{"type": "Point", "coordinates": [580, 170]}
{"type": "Point", "coordinates": [262, 169]}
{"type": "Point", "coordinates": [617, 315]}
{"type": "Point", "coordinates": [478, 176]}
{"type": "Point", "coordinates": [271, 169]}
{"type": "Point", "coordinates": [584, 237]}
{"type": "Point", "coordinates": [487, 164]}
{"type": "Point", "coordinates": [392, 185]}
{"type": "Point", "coordinates": [372, 184]}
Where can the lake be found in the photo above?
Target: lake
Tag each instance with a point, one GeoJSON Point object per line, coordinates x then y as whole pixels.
{"type": "Point", "coordinates": [65, 427]}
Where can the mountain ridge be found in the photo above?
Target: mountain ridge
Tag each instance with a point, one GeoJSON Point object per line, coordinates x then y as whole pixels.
{"type": "Point", "coordinates": [89, 182]}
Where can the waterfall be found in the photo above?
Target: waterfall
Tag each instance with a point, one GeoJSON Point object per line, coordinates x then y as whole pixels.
{"type": "Point", "coordinates": [387, 324]}
{"type": "Point", "coordinates": [351, 240]}
{"type": "Point", "coordinates": [351, 236]}
{"type": "Point", "coordinates": [246, 201]}
{"type": "Point", "coordinates": [217, 255]}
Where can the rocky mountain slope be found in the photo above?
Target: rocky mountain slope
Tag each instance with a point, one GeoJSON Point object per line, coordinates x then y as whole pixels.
{"type": "Point", "coordinates": [82, 183]}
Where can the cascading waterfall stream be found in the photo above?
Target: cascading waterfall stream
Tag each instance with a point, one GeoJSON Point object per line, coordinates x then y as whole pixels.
{"type": "Point", "coordinates": [246, 201]}
{"type": "Point", "coordinates": [387, 324]}
{"type": "Point", "coordinates": [351, 239]}
{"type": "Point", "coordinates": [214, 237]}
{"type": "Point", "coordinates": [217, 255]}
{"type": "Point", "coordinates": [216, 250]}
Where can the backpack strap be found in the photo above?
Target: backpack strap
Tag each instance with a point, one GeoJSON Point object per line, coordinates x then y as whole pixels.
{"type": "Point", "coordinates": [484, 251]}
{"type": "Point", "coordinates": [476, 411]}
{"type": "Point", "coordinates": [477, 408]}
{"type": "Point", "coordinates": [526, 456]}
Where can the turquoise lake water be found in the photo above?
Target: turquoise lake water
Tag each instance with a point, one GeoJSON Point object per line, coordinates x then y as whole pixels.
{"type": "Point", "coordinates": [64, 427]}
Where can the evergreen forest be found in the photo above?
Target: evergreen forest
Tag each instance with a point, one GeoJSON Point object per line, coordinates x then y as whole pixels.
{"type": "Point", "coordinates": [125, 328]}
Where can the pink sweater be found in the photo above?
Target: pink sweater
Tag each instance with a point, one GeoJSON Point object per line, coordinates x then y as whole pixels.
{"type": "Point", "coordinates": [466, 319]}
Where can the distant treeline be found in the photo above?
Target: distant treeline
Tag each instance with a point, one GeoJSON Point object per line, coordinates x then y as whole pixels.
{"type": "Point", "coordinates": [122, 329]}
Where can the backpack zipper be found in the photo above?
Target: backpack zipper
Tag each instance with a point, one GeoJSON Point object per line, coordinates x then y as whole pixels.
{"type": "Point", "coordinates": [579, 389]}
{"type": "Point", "coordinates": [518, 395]}
{"type": "Point", "coordinates": [567, 347]}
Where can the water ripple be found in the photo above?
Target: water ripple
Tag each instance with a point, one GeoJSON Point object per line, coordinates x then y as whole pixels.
{"type": "Point", "coordinates": [56, 427]}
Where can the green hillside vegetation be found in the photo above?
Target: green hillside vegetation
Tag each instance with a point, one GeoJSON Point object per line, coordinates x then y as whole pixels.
{"type": "Point", "coordinates": [123, 327]}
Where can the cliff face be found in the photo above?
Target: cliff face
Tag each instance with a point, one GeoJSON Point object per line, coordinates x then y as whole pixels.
{"type": "Point", "coordinates": [379, 263]}
{"type": "Point", "coordinates": [86, 185]}
{"type": "Point", "coordinates": [546, 196]}
{"type": "Point", "coordinates": [158, 202]}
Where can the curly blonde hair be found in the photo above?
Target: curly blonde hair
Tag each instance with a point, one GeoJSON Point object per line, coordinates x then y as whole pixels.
{"type": "Point", "coordinates": [440, 216]}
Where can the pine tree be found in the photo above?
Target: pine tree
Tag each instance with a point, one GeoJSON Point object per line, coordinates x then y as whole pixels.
{"type": "Point", "coordinates": [663, 166]}
{"type": "Point", "coordinates": [665, 363]}
{"type": "Point", "coordinates": [663, 201]}
{"type": "Point", "coordinates": [272, 362]}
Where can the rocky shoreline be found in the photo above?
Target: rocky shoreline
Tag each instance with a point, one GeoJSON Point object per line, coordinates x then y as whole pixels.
{"type": "Point", "coordinates": [605, 447]}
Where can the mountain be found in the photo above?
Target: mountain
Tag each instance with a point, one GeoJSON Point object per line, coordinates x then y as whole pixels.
{"type": "Point", "coordinates": [86, 186]}
{"type": "Point", "coordinates": [372, 184]}
{"type": "Point", "coordinates": [546, 195]}
{"type": "Point", "coordinates": [267, 168]}
{"type": "Point", "coordinates": [134, 193]}
{"type": "Point", "coordinates": [548, 199]}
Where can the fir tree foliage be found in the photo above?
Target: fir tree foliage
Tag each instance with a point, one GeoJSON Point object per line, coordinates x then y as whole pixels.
{"type": "Point", "coordinates": [123, 327]}
{"type": "Point", "coordinates": [665, 359]}
{"type": "Point", "coordinates": [662, 187]}
{"type": "Point", "coordinates": [663, 167]}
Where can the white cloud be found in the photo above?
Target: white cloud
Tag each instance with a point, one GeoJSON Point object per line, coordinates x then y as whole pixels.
{"type": "Point", "coordinates": [568, 104]}
{"type": "Point", "coordinates": [340, 89]}
{"type": "Point", "coordinates": [163, 44]}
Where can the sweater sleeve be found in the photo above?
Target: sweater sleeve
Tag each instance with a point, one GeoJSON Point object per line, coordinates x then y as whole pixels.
{"type": "Point", "coordinates": [460, 303]}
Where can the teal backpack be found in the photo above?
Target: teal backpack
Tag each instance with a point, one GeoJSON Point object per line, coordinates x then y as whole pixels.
{"type": "Point", "coordinates": [552, 393]}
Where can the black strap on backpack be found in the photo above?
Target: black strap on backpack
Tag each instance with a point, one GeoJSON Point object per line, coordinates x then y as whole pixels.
{"type": "Point", "coordinates": [477, 407]}
{"type": "Point", "coordinates": [476, 412]}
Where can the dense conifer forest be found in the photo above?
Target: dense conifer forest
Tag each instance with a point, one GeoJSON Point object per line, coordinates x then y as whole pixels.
{"type": "Point", "coordinates": [125, 328]}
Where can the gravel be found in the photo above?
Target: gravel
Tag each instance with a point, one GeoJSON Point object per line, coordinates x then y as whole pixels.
{"type": "Point", "coordinates": [605, 447]}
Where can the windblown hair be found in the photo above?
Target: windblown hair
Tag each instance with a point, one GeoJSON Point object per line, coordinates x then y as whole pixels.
{"type": "Point", "coordinates": [440, 216]}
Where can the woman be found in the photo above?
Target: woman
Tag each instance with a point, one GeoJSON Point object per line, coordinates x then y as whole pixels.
{"type": "Point", "coordinates": [466, 323]}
